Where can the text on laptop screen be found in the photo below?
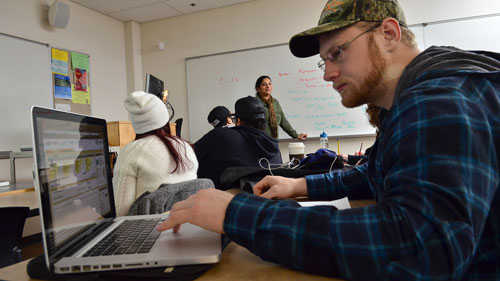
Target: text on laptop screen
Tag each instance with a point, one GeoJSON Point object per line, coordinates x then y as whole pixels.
{"type": "Point", "coordinates": [73, 171]}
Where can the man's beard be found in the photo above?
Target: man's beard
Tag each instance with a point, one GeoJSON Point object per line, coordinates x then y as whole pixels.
{"type": "Point", "coordinates": [372, 88]}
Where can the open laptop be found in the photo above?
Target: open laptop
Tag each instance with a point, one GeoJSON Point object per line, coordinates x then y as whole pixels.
{"type": "Point", "coordinates": [77, 210]}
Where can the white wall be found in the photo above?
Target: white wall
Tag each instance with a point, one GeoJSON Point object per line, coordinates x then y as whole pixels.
{"type": "Point", "coordinates": [438, 10]}
{"type": "Point", "coordinates": [261, 23]}
{"type": "Point", "coordinates": [88, 32]}
{"type": "Point", "coordinates": [242, 26]}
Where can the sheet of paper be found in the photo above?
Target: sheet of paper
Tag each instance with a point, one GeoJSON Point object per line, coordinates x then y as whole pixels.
{"type": "Point", "coordinates": [62, 86]}
{"type": "Point", "coordinates": [63, 107]}
{"type": "Point", "coordinates": [79, 61]}
{"type": "Point", "coordinates": [59, 61]}
{"type": "Point", "coordinates": [80, 97]}
{"type": "Point", "coordinates": [340, 204]}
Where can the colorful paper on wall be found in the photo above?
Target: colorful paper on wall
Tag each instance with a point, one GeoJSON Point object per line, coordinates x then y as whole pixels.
{"type": "Point", "coordinates": [80, 79]}
{"type": "Point", "coordinates": [79, 61]}
{"type": "Point", "coordinates": [59, 61]}
{"type": "Point", "coordinates": [62, 87]}
{"type": "Point", "coordinates": [80, 97]}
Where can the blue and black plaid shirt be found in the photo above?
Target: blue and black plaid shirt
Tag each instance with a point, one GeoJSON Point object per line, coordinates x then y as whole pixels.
{"type": "Point", "coordinates": [434, 172]}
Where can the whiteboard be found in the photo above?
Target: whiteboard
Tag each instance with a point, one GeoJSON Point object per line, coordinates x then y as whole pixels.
{"type": "Point", "coordinates": [310, 104]}
{"type": "Point", "coordinates": [479, 33]}
{"type": "Point", "coordinates": [25, 80]}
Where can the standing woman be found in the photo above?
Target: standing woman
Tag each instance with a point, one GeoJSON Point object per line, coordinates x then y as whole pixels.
{"type": "Point", "coordinates": [273, 111]}
{"type": "Point", "coordinates": [154, 157]}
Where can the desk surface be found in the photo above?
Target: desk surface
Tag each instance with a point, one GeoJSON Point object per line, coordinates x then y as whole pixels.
{"type": "Point", "coordinates": [237, 263]}
{"type": "Point", "coordinates": [26, 197]}
{"type": "Point", "coordinates": [19, 198]}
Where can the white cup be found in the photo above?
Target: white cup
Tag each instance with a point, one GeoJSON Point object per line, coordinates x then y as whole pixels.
{"type": "Point", "coordinates": [296, 150]}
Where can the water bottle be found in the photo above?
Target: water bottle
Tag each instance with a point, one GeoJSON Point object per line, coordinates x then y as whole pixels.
{"type": "Point", "coordinates": [323, 140]}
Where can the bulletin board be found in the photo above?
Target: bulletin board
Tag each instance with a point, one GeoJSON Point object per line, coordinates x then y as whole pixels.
{"type": "Point", "coordinates": [71, 80]}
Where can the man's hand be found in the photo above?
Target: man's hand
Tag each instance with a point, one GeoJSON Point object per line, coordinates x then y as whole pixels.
{"type": "Point", "coordinates": [280, 187]}
{"type": "Point", "coordinates": [206, 208]}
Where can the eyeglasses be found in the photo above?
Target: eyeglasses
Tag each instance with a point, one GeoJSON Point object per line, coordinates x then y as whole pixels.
{"type": "Point", "coordinates": [338, 52]}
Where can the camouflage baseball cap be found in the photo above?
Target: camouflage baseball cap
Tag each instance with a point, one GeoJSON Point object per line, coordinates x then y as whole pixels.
{"type": "Point", "coordinates": [342, 13]}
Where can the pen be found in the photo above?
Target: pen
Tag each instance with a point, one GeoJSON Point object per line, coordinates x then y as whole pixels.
{"type": "Point", "coordinates": [361, 147]}
{"type": "Point", "coordinates": [338, 147]}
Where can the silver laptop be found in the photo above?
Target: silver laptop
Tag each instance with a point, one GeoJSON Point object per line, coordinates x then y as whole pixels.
{"type": "Point", "coordinates": [80, 230]}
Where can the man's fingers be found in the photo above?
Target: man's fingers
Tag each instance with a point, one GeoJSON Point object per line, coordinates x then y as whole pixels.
{"type": "Point", "coordinates": [259, 188]}
{"type": "Point", "coordinates": [174, 220]}
{"type": "Point", "coordinates": [177, 228]}
{"type": "Point", "coordinates": [262, 186]}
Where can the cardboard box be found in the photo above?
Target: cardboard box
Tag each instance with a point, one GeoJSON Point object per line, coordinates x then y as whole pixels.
{"type": "Point", "coordinates": [120, 133]}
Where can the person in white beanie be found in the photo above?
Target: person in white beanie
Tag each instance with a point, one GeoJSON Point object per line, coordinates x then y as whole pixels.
{"type": "Point", "coordinates": [154, 157]}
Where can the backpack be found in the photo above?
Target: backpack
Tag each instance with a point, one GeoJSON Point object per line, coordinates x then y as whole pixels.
{"type": "Point", "coordinates": [322, 159]}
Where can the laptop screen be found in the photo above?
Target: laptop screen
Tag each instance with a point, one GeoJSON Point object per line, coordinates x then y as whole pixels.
{"type": "Point", "coordinates": [74, 173]}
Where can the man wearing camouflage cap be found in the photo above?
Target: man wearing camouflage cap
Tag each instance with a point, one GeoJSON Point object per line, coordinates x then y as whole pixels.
{"type": "Point", "coordinates": [433, 170]}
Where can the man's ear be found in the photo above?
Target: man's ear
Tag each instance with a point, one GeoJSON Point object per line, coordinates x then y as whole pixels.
{"type": "Point", "coordinates": [391, 32]}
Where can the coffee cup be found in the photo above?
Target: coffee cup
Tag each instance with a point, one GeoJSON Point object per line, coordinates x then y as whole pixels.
{"type": "Point", "coordinates": [296, 150]}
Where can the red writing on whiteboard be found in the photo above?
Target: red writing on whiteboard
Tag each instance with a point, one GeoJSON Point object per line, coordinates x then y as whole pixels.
{"type": "Point", "coordinates": [223, 81]}
{"type": "Point", "coordinates": [307, 70]}
{"type": "Point", "coordinates": [310, 79]}
{"type": "Point", "coordinates": [308, 85]}
{"type": "Point", "coordinates": [283, 74]}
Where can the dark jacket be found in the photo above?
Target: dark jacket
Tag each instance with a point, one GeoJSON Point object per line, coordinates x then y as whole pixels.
{"type": "Point", "coordinates": [280, 118]}
{"type": "Point", "coordinates": [233, 147]}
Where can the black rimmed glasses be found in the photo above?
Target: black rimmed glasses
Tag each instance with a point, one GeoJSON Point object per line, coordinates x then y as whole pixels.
{"type": "Point", "coordinates": [335, 54]}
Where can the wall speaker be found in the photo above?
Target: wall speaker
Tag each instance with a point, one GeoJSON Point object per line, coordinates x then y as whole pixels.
{"type": "Point", "coordinates": [58, 14]}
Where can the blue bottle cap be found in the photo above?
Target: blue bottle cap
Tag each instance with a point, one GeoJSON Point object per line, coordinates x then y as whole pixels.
{"type": "Point", "coordinates": [323, 135]}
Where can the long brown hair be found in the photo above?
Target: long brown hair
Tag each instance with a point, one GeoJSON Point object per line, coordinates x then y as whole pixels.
{"type": "Point", "coordinates": [182, 162]}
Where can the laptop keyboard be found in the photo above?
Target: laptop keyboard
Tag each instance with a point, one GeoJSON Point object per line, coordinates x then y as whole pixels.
{"type": "Point", "coordinates": [130, 237]}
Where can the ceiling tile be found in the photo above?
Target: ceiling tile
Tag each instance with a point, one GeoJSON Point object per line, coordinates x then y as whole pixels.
{"type": "Point", "coordinates": [148, 10]}
{"type": "Point", "coordinates": [185, 7]}
{"type": "Point", "coordinates": [111, 6]}
{"type": "Point", "coordinates": [231, 2]}
{"type": "Point", "coordinates": [146, 13]}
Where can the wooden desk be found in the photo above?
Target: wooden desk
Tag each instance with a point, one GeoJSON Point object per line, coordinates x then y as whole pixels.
{"type": "Point", "coordinates": [22, 198]}
{"type": "Point", "coordinates": [19, 198]}
{"type": "Point", "coordinates": [237, 263]}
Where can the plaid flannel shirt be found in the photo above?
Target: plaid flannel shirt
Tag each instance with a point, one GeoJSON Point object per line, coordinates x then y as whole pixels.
{"type": "Point", "coordinates": [434, 172]}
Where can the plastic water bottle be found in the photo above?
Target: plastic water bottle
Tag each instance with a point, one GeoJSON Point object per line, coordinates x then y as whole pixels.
{"type": "Point", "coordinates": [323, 140]}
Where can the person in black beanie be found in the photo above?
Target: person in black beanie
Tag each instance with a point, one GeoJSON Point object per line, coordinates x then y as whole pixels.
{"type": "Point", "coordinates": [240, 146]}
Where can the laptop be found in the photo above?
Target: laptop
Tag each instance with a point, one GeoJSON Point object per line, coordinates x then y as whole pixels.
{"type": "Point", "coordinates": [80, 229]}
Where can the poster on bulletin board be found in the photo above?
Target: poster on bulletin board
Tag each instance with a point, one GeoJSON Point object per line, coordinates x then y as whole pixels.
{"type": "Point", "coordinates": [70, 76]}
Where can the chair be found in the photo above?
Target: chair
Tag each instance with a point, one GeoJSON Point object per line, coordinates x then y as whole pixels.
{"type": "Point", "coordinates": [12, 220]}
{"type": "Point", "coordinates": [178, 126]}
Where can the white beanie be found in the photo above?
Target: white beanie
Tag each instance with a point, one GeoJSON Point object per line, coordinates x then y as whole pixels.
{"type": "Point", "coordinates": [147, 112]}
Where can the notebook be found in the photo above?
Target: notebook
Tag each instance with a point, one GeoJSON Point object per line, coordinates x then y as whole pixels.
{"type": "Point", "coordinates": [80, 230]}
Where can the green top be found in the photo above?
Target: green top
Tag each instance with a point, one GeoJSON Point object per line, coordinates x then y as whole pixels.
{"type": "Point", "coordinates": [280, 119]}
